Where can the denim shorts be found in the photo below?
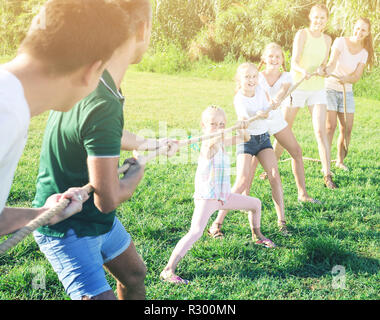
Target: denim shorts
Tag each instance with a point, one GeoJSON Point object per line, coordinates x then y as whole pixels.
{"type": "Point", "coordinates": [78, 262]}
{"type": "Point", "coordinates": [255, 145]}
{"type": "Point", "coordinates": [335, 101]}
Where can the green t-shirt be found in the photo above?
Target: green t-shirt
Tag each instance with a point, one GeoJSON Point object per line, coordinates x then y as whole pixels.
{"type": "Point", "coordinates": [93, 127]}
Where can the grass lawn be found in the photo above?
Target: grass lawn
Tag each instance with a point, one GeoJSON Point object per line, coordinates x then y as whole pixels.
{"type": "Point", "coordinates": [344, 231]}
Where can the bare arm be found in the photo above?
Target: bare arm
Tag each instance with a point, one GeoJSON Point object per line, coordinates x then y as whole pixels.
{"type": "Point", "coordinates": [322, 68]}
{"type": "Point", "coordinates": [355, 76]}
{"type": "Point", "coordinates": [281, 94]}
{"type": "Point", "coordinates": [333, 61]}
{"type": "Point", "coordinates": [109, 190]}
{"type": "Point", "coordinates": [131, 141]}
{"type": "Point", "coordinates": [298, 45]}
{"type": "Point", "coordinates": [12, 219]}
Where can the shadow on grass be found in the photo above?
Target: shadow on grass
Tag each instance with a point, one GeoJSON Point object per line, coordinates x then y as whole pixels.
{"type": "Point", "coordinates": [311, 256]}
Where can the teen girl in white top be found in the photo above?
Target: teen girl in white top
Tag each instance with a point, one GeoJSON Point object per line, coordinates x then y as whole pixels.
{"type": "Point", "coordinates": [348, 60]}
{"type": "Point", "coordinates": [251, 100]}
{"type": "Point", "coordinates": [276, 83]}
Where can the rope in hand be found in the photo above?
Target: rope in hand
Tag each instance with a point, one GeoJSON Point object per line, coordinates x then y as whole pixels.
{"type": "Point", "coordinates": [345, 140]}
{"type": "Point", "coordinates": [63, 203]}
{"type": "Point", "coordinates": [44, 218]}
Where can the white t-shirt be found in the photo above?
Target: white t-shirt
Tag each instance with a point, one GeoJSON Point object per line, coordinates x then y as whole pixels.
{"type": "Point", "coordinates": [285, 77]}
{"type": "Point", "coordinates": [246, 107]}
{"type": "Point", "coordinates": [14, 123]}
{"type": "Point", "coordinates": [346, 64]}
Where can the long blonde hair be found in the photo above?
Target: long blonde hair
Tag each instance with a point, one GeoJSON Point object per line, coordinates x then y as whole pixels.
{"type": "Point", "coordinates": [268, 47]}
{"type": "Point", "coordinates": [239, 70]}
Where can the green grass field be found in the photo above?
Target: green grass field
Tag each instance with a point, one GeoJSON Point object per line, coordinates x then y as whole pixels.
{"type": "Point", "coordinates": [344, 231]}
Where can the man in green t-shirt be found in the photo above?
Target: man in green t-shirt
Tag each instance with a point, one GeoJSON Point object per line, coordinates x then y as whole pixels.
{"type": "Point", "coordinates": [84, 145]}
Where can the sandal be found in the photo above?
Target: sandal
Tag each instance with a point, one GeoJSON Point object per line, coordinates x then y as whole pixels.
{"type": "Point", "coordinates": [329, 183]}
{"type": "Point", "coordinates": [310, 200]}
{"type": "Point", "coordinates": [172, 278]}
{"type": "Point", "coordinates": [284, 229]}
{"type": "Point", "coordinates": [267, 243]}
{"type": "Point", "coordinates": [215, 231]}
{"type": "Point", "coordinates": [264, 175]}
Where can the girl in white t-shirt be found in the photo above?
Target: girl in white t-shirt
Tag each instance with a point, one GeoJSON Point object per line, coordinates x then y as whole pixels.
{"type": "Point", "coordinates": [251, 100]}
{"type": "Point", "coordinates": [276, 83]}
{"type": "Point", "coordinates": [348, 60]}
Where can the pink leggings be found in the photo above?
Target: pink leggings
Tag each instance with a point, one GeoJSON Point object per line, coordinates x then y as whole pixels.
{"type": "Point", "coordinates": [203, 210]}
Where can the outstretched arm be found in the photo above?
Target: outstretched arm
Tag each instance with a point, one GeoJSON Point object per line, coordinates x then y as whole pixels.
{"type": "Point", "coordinates": [12, 219]}
{"type": "Point", "coordinates": [131, 141]}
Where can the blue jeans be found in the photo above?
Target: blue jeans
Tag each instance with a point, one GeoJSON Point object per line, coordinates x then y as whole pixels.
{"type": "Point", "coordinates": [78, 262]}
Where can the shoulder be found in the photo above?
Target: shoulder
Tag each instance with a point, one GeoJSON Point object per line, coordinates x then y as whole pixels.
{"type": "Point", "coordinates": [327, 38]}
{"type": "Point", "coordinates": [286, 77]}
{"type": "Point", "coordinates": [301, 33]}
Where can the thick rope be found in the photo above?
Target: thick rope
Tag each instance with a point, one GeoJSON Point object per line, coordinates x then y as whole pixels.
{"type": "Point", "coordinates": [63, 203]}
{"type": "Point", "coordinates": [44, 218]}
{"type": "Point", "coordinates": [345, 140]}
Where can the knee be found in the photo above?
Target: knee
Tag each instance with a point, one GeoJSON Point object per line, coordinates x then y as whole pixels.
{"type": "Point", "coordinates": [241, 185]}
{"type": "Point", "coordinates": [257, 205]}
{"type": "Point", "coordinates": [320, 134]}
{"type": "Point", "coordinates": [274, 176]}
{"type": "Point", "coordinates": [195, 234]}
{"type": "Point", "coordinates": [135, 277]}
{"type": "Point", "coordinates": [330, 127]}
{"type": "Point", "coordinates": [297, 152]}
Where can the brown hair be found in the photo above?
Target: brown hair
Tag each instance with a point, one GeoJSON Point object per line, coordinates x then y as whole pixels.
{"type": "Point", "coordinates": [138, 10]}
{"type": "Point", "coordinates": [240, 68]}
{"type": "Point", "coordinates": [268, 47]}
{"type": "Point", "coordinates": [322, 7]}
{"type": "Point", "coordinates": [76, 33]}
{"type": "Point", "coordinates": [368, 43]}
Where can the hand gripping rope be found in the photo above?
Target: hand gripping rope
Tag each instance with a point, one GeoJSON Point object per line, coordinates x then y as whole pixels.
{"type": "Point", "coordinates": [63, 203]}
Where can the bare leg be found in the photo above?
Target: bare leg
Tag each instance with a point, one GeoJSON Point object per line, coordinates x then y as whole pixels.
{"type": "Point", "coordinates": [129, 270]}
{"type": "Point", "coordinates": [202, 212]}
{"type": "Point", "coordinates": [107, 295]}
{"type": "Point", "coordinates": [318, 114]}
{"type": "Point", "coordinates": [289, 116]}
{"type": "Point", "coordinates": [340, 144]}
{"type": "Point", "coordinates": [287, 139]}
{"type": "Point", "coordinates": [268, 160]}
{"type": "Point", "coordinates": [331, 126]}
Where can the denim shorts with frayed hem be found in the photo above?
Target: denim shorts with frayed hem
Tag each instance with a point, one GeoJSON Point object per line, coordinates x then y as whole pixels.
{"type": "Point", "coordinates": [256, 144]}
{"type": "Point", "coordinates": [78, 262]}
{"type": "Point", "coordinates": [335, 101]}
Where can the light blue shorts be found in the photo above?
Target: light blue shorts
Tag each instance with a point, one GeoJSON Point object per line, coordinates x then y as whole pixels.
{"type": "Point", "coordinates": [78, 262]}
{"type": "Point", "coordinates": [335, 101]}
